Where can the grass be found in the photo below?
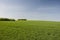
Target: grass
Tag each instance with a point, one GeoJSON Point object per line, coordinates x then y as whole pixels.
{"type": "Point", "coordinates": [29, 30]}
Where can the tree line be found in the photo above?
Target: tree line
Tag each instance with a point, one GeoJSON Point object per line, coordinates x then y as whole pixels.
{"type": "Point", "coordinates": [7, 19]}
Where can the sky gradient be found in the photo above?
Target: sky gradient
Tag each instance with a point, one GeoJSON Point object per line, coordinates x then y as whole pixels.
{"type": "Point", "coordinates": [31, 9]}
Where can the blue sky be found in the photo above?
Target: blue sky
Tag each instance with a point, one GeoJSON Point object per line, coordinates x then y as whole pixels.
{"type": "Point", "coordinates": [31, 9]}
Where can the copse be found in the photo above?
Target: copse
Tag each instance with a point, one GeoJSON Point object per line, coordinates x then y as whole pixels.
{"type": "Point", "coordinates": [12, 19]}
{"type": "Point", "coordinates": [22, 19]}
{"type": "Point", "coordinates": [6, 19]}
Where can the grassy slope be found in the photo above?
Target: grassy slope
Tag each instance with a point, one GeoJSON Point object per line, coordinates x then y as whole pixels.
{"type": "Point", "coordinates": [30, 30]}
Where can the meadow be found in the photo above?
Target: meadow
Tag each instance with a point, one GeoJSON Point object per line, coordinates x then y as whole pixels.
{"type": "Point", "coordinates": [29, 30]}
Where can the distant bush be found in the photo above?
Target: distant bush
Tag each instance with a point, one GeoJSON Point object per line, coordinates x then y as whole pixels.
{"type": "Point", "coordinates": [12, 19]}
{"type": "Point", "coordinates": [22, 19]}
{"type": "Point", "coordinates": [6, 19]}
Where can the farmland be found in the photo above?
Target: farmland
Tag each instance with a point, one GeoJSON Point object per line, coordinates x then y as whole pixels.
{"type": "Point", "coordinates": [29, 30]}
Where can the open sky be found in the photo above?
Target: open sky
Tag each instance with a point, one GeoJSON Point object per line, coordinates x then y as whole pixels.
{"type": "Point", "coordinates": [31, 9]}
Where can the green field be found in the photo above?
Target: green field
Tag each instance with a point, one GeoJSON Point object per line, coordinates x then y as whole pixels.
{"type": "Point", "coordinates": [29, 30]}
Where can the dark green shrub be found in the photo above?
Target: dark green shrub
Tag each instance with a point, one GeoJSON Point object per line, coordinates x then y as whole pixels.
{"type": "Point", "coordinates": [6, 19]}
{"type": "Point", "coordinates": [12, 19]}
{"type": "Point", "coordinates": [22, 19]}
